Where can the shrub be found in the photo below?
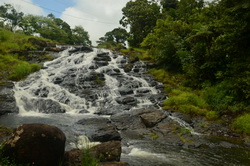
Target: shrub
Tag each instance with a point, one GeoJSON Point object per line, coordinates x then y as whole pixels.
{"type": "Point", "coordinates": [22, 69]}
{"type": "Point", "coordinates": [242, 124]}
{"type": "Point", "coordinates": [186, 102]}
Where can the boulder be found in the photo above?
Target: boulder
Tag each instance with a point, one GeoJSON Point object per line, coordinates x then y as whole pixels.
{"type": "Point", "coordinates": [152, 118]}
{"type": "Point", "coordinates": [73, 157]}
{"type": "Point", "coordinates": [99, 129]}
{"type": "Point", "coordinates": [39, 144]}
{"type": "Point", "coordinates": [108, 151]}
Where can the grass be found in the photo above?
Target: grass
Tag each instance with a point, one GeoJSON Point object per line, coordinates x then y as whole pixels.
{"type": "Point", "coordinates": [14, 69]}
{"type": "Point", "coordinates": [242, 124]}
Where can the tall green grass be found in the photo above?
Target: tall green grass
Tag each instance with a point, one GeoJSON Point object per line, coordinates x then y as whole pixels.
{"type": "Point", "coordinates": [242, 124]}
{"type": "Point", "coordinates": [14, 69]}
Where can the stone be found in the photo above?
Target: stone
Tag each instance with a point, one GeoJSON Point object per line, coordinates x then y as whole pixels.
{"type": "Point", "coordinates": [127, 100]}
{"type": "Point", "coordinates": [99, 129]}
{"type": "Point", "coordinates": [39, 144]}
{"type": "Point", "coordinates": [152, 118]}
{"type": "Point", "coordinates": [73, 157]}
{"type": "Point", "coordinates": [7, 99]}
{"type": "Point", "coordinates": [107, 151]}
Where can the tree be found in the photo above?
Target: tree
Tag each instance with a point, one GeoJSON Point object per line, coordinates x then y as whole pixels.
{"type": "Point", "coordinates": [186, 8]}
{"type": "Point", "coordinates": [31, 24]}
{"type": "Point", "coordinates": [140, 16]}
{"type": "Point", "coordinates": [169, 4]}
{"type": "Point", "coordinates": [114, 37]}
{"type": "Point", "coordinates": [11, 16]}
{"type": "Point", "coordinates": [167, 41]}
{"type": "Point", "coordinates": [80, 36]}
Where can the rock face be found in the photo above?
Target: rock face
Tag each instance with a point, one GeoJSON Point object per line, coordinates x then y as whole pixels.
{"type": "Point", "coordinates": [7, 100]}
{"type": "Point", "coordinates": [38, 144]}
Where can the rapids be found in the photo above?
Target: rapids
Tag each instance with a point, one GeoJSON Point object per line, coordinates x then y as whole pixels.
{"type": "Point", "coordinates": [97, 84]}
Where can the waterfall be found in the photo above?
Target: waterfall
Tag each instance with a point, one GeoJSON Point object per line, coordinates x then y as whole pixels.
{"type": "Point", "coordinates": [82, 82]}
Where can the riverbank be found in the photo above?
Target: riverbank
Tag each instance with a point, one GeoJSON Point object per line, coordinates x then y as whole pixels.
{"type": "Point", "coordinates": [207, 104]}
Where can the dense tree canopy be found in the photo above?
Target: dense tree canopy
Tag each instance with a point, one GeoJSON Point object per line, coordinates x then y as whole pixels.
{"type": "Point", "coordinates": [209, 43]}
{"type": "Point", "coordinates": [140, 16]}
{"type": "Point", "coordinates": [116, 36]}
{"type": "Point", "coordinates": [48, 27]}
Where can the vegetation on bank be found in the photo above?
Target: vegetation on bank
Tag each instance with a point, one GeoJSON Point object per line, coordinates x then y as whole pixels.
{"type": "Point", "coordinates": [200, 50]}
{"type": "Point", "coordinates": [14, 66]}
{"type": "Point", "coordinates": [201, 53]}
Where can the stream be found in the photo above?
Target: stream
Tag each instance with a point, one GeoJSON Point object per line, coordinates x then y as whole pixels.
{"type": "Point", "coordinates": [83, 88]}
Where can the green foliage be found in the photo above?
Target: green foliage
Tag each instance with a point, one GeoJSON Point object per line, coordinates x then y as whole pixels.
{"type": "Point", "coordinates": [242, 124]}
{"type": "Point", "coordinates": [15, 69]}
{"type": "Point", "coordinates": [23, 69]}
{"type": "Point", "coordinates": [80, 36]}
{"type": "Point", "coordinates": [88, 160]}
{"type": "Point", "coordinates": [140, 16]}
{"type": "Point", "coordinates": [186, 102]}
{"type": "Point", "coordinates": [222, 98]}
{"type": "Point", "coordinates": [114, 37]}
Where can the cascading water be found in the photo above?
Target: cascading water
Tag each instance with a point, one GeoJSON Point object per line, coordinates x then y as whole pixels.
{"type": "Point", "coordinates": [98, 84]}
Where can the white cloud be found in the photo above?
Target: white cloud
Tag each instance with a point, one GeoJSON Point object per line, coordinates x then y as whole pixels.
{"type": "Point", "coordinates": [97, 17]}
{"type": "Point", "coordinates": [25, 6]}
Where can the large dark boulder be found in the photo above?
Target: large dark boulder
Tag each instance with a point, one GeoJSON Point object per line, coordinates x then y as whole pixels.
{"type": "Point", "coordinates": [37, 144]}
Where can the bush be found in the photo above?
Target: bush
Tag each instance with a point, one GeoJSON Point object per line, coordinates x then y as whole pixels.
{"type": "Point", "coordinates": [22, 70]}
{"type": "Point", "coordinates": [222, 98]}
{"type": "Point", "coordinates": [186, 102]}
{"type": "Point", "coordinates": [242, 124]}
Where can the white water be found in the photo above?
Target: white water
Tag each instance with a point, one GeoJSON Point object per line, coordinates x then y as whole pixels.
{"type": "Point", "coordinates": [31, 96]}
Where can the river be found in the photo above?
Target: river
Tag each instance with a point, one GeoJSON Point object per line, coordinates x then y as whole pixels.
{"type": "Point", "coordinates": [102, 84]}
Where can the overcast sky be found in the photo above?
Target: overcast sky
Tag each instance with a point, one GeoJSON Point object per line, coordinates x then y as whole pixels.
{"type": "Point", "coordinates": [95, 16]}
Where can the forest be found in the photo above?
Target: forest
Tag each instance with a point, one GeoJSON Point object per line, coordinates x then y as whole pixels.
{"type": "Point", "coordinates": [200, 50]}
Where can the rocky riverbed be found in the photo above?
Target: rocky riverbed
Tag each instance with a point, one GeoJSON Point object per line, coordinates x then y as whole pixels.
{"type": "Point", "coordinates": [106, 97]}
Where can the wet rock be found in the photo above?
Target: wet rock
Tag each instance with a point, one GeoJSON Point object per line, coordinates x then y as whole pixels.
{"type": "Point", "coordinates": [42, 92]}
{"type": "Point", "coordinates": [111, 110]}
{"type": "Point", "coordinates": [127, 100]}
{"type": "Point", "coordinates": [157, 98]}
{"type": "Point", "coordinates": [99, 129]}
{"type": "Point", "coordinates": [124, 121]}
{"type": "Point", "coordinates": [81, 49]}
{"type": "Point", "coordinates": [143, 90]}
{"type": "Point", "coordinates": [125, 91]}
{"type": "Point", "coordinates": [108, 151]}
{"type": "Point", "coordinates": [44, 105]}
{"type": "Point", "coordinates": [7, 99]}
{"type": "Point", "coordinates": [38, 144]}
{"type": "Point", "coordinates": [151, 119]}
{"type": "Point", "coordinates": [58, 80]}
